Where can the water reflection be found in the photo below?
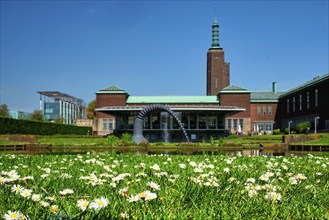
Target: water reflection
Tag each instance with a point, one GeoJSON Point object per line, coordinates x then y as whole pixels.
{"type": "Point", "coordinates": [228, 152]}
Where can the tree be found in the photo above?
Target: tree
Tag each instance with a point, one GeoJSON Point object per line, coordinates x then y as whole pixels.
{"type": "Point", "coordinates": [59, 120]}
{"type": "Point", "coordinates": [37, 115]}
{"type": "Point", "coordinates": [91, 112]}
{"type": "Point", "coordinates": [4, 110]}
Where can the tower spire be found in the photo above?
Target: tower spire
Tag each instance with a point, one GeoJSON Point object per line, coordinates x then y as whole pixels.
{"type": "Point", "coordinates": [215, 34]}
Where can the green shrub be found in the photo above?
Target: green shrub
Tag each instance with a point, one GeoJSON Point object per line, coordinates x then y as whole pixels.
{"type": "Point", "coordinates": [18, 126]}
{"type": "Point", "coordinates": [276, 131]}
{"type": "Point", "coordinates": [220, 141]}
{"type": "Point", "coordinates": [232, 136]}
{"type": "Point", "coordinates": [126, 139]}
{"type": "Point", "coordinates": [301, 127]}
{"type": "Point", "coordinates": [112, 140]}
{"type": "Point", "coordinates": [212, 140]}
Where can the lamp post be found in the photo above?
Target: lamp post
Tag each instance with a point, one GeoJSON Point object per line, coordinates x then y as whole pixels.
{"type": "Point", "coordinates": [315, 120]}
{"type": "Point", "coordinates": [289, 126]}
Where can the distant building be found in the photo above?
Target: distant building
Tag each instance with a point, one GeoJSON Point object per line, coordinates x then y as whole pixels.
{"type": "Point", "coordinates": [307, 102]}
{"type": "Point", "coordinates": [20, 115]}
{"type": "Point", "coordinates": [60, 105]}
{"type": "Point", "coordinates": [225, 108]}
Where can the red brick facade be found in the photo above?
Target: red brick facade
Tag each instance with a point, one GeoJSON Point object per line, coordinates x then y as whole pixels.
{"type": "Point", "coordinates": [263, 111]}
{"type": "Point", "coordinates": [103, 100]}
{"type": "Point", "coordinates": [237, 99]}
{"type": "Point", "coordinates": [218, 72]}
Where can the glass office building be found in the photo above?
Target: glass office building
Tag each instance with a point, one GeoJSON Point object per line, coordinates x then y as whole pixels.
{"type": "Point", "coordinates": [57, 105]}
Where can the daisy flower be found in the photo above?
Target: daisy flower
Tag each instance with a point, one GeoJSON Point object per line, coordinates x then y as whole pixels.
{"type": "Point", "coordinates": [124, 215]}
{"type": "Point", "coordinates": [153, 185]}
{"type": "Point", "coordinates": [13, 215]}
{"type": "Point", "coordinates": [134, 198]}
{"type": "Point", "coordinates": [197, 170]}
{"type": "Point", "coordinates": [36, 197]}
{"type": "Point", "coordinates": [26, 193]}
{"type": "Point", "coordinates": [149, 196]}
{"type": "Point", "coordinates": [183, 166]}
{"type": "Point", "coordinates": [17, 188]}
{"type": "Point", "coordinates": [83, 204]}
{"type": "Point", "coordinates": [273, 196]}
{"type": "Point", "coordinates": [99, 203]}
{"type": "Point", "coordinates": [54, 209]}
{"type": "Point", "coordinates": [124, 191]}
{"type": "Point", "coordinates": [44, 204]}
{"type": "Point", "coordinates": [66, 192]}
{"type": "Point", "coordinates": [155, 167]}
{"type": "Point", "coordinates": [252, 193]}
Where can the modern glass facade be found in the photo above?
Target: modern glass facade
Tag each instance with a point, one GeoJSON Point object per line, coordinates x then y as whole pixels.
{"type": "Point", "coordinates": [159, 120]}
{"type": "Point", "coordinates": [56, 105]}
{"type": "Point", "coordinates": [198, 124]}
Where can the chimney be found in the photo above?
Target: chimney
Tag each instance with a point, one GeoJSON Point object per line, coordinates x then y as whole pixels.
{"type": "Point", "coordinates": [274, 87]}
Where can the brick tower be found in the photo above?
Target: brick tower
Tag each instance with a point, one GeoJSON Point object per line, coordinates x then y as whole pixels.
{"type": "Point", "coordinates": [218, 71]}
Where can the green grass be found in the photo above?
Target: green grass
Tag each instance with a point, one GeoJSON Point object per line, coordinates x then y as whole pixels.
{"type": "Point", "coordinates": [324, 140]}
{"type": "Point", "coordinates": [190, 187]}
{"type": "Point", "coordinates": [5, 142]}
{"type": "Point", "coordinates": [230, 141]}
{"type": "Point", "coordinates": [73, 141]}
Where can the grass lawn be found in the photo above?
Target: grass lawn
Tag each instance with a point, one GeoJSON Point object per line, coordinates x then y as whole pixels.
{"type": "Point", "coordinates": [111, 186]}
{"type": "Point", "coordinates": [324, 140]}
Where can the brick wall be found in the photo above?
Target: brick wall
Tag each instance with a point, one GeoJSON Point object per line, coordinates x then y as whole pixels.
{"type": "Point", "coordinates": [262, 117]}
{"type": "Point", "coordinates": [241, 100]}
{"type": "Point", "coordinates": [218, 72]}
{"type": "Point", "coordinates": [103, 100]}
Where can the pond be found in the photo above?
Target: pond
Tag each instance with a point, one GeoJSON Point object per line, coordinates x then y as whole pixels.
{"type": "Point", "coordinates": [173, 151]}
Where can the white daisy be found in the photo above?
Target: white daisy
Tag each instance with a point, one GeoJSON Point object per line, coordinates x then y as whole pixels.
{"type": "Point", "coordinates": [99, 203]}
{"type": "Point", "coordinates": [13, 215]}
{"type": "Point", "coordinates": [83, 204]}
{"type": "Point", "coordinates": [153, 185]}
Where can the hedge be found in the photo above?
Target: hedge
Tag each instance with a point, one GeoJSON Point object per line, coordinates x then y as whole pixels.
{"type": "Point", "coordinates": [18, 126]}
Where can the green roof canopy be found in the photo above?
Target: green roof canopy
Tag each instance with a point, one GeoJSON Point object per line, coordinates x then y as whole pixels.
{"type": "Point", "coordinates": [265, 96]}
{"type": "Point", "coordinates": [172, 99]}
{"type": "Point", "coordinates": [234, 89]}
{"type": "Point", "coordinates": [315, 80]}
{"type": "Point", "coordinates": [111, 89]}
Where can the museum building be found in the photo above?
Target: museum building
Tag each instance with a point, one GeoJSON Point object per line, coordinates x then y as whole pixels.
{"type": "Point", "coordinates": [225, 108]}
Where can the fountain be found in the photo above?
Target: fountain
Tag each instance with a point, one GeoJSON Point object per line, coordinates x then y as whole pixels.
{"type": "Point", "coordinates": [164, 117]}
{"type": "Point", "coordinates": [138, 137]}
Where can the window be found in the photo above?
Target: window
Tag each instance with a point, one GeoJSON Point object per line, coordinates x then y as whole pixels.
{"type": "Point", "coordinates": [212, 121]}
{"type": "Point", "coordinates": [308, 100]}
{"type": "Point", "coordinates": [316, 98]}
{"type": "Point", "coordinates": [105, 124]}
{"type": "Point", "coordinates": [268, 126]}
{"type": "Point", "coordinates": [294, 104]}
{"type": "Point", "coordinates": [254, 126]}
{"type": "Point", "coordinates": [287, 106]}
{"type": "Point", "coordinates": [111, 124]}
{"type": "Point", "coordinates": [235, 123]}
{"type": "Point", "coordinates": [269, 110]}
{"type": "Point", "coordinates": [264, 110]}
{"type": "Point", "coordinates": [193, 120]}
{"type": "Point", "coordinates": [202, 121]}
{"type": "Point", "coordinates": [300, 102]}
{"type": "Point", "coordinates": [229, 124]}
{"type": "Point", "coordinates": [260, 126]}
{"type": "Point", "coordinates": [241, 123]}
{"type": "Point", "coordinates": [221, 121]}
{"type": "Point", "coordinates": [258, 110]}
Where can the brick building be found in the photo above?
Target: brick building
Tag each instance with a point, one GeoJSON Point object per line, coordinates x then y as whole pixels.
{"type": "Point", "coordinates": [307, 102]}
{"type": "Point", "coordinates": [225, 108]}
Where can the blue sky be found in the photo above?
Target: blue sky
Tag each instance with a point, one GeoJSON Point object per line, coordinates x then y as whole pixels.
{"type": "Point", "coordinates": [155, 47]}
